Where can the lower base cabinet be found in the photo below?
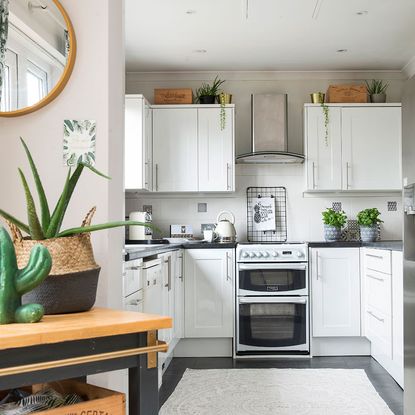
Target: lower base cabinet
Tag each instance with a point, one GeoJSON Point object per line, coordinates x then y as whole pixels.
{"type": "Point", "coordinates": [209, 292]}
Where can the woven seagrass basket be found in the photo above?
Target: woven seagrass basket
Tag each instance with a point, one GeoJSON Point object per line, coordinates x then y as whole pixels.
{"type": "Point", "coordinates": [73, 281]}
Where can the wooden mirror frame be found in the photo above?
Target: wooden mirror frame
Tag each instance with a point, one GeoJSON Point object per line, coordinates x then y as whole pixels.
{"type": "Point", "coordinates": [58, 88]}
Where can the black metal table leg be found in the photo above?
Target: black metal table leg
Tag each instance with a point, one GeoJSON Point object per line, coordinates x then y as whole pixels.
{"type": "Point", "coordinates": [143, 388]}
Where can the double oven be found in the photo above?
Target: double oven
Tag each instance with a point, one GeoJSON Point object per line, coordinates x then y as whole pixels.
{"type": "Point", "coordinates": [272, 300]}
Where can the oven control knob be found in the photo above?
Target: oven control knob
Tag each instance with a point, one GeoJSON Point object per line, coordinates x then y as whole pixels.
{"type": "Point", "coordinates": [245, 255]}
{"type": "Point", "coordinates": [259, 254]}
{"type": "Point", "coordinates": [299, 254]}
{"type": "Point", "coordinates": [252, 254]}
{"type": "Point", "coordinates": [274, 254]}
{"type": "Point", "coordinates": [265, 254]}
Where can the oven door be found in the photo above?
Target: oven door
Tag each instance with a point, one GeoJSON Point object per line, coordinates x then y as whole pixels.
{"type": "Point", "coordinates": [272, 324]}
{"type": "Point", "coordinates": [273, 279]}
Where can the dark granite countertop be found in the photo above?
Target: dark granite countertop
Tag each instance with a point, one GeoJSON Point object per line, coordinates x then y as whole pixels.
{"type": "Point", "coordinates": [391, 245]}
{"type": "Point", "coordinates": [143, 251]}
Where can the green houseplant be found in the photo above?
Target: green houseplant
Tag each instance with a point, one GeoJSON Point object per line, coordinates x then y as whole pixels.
{"type": "Point", "coordinates": [368, 220]}
{"type": "Point", "coordinates": [71, 249]}
{"type": "Point", "coordinates": [333, 223]}
{"type": "Point", "coordinates": [377, 90]}
{"type": "Point", "coordinates": [207, 93]}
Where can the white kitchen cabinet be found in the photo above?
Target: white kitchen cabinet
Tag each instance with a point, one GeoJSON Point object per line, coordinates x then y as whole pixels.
{"type": "Point", "coordinates": [209, 292]}
{"type": "Point", "coordinates": [323, 156]}
{"type": "Point", "coordinates": [153, 279]}
{"type": "Point", "coordinates": [175, 149]}
{"type": "Point", "coordinates": [371, 148]}
{"type": "Point", "coordinates": [362, 151]}
{"type": "Point", "coordinates": [179, 294]}
{"type": "Point", "coordinates": [191, 152]}
{"type": "Point", "coordinates": [335, 280]}
{"type": "Point", "coordinates": [167, 297]}
{"type": "Point", "coordinates": [138, 143]}
{"type": "Point", "coordinates": [216, 150]}
{"type": "Point", "coordinates": [383, 308]}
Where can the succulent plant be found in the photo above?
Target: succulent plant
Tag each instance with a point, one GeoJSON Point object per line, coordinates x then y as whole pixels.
{"type": "Point", "coordinates": [49, 224]}
{"type": "Point", "coordinates": [14, 282]}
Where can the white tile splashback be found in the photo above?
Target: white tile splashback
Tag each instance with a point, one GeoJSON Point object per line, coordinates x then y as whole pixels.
{"type": "Point", "coordinates": [303, 213]}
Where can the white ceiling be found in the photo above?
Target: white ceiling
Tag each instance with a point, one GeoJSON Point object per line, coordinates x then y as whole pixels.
{"type": "Point", "coordinates": [277, 35]}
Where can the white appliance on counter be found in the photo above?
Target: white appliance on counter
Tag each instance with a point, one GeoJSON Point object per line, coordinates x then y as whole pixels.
{"type": "Point", "coordinates": [272, 300]}
{"type": "Point", "coordinates": [140, 233]}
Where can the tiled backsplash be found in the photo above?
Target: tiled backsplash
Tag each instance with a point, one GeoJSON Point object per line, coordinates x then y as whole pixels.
{"type": "Point", "coordinates": [303, 212]}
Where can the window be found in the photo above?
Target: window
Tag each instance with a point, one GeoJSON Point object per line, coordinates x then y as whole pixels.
{"type": "Point", "coordinates": [5, 92]}
{"type": "Point", "coordinates": [36, 84]}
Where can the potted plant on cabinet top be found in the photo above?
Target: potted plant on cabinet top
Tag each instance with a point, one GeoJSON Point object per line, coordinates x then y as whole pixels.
{"type": "Point", "coordinates": [207, 93]}
{"type": "Point", "coordinates": [72, 283]}
{"type": "Point", "coordinates": [368, 220]}
{"type": "Point", "coordinates": [377, 90]}
{"type": "Point", "coordinates": [333, 223]}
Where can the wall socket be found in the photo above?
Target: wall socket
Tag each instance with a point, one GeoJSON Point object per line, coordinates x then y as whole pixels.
{"type": "Point", "coordinates": [202, 207]}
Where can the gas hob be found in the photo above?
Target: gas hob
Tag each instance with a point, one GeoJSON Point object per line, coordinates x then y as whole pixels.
{"type": "Point", "coordinates": [284, 252]}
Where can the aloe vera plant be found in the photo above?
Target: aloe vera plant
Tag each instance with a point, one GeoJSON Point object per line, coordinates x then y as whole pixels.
{"type": "Point", "coordinates": [49, 225]}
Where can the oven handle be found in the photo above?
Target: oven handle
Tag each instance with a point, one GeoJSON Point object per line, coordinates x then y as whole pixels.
{"type": "Point", "coordinates": [273, 300]}
{"type": "Point", "coordinates": [277, 266]}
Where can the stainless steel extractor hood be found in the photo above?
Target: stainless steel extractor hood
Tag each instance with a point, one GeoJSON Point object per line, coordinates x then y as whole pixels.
{"type": "Point", "coordinates": [269, 131]}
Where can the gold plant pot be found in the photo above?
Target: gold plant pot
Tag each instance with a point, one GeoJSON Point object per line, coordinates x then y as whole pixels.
{"type": "Point", "coordinates": [224, 98]}
{"type": "Point", "coordinates": [317, 97]}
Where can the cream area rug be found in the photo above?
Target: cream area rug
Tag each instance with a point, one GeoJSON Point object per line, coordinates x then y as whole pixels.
{"type": "Point", "coordinates": [275, 391]}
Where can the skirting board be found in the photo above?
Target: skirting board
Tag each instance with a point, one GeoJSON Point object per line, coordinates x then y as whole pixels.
{"type": "Point", "coordinates": [340, 346]}
{"type": "Point", "coordinates": [205, 347]}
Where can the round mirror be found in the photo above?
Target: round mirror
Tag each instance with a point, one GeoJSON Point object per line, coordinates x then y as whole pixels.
{"type": "Point", "coordinates": [37, 54]}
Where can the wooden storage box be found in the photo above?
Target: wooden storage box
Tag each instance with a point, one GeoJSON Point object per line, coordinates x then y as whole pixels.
{"type": "Point", "coordinates": [347, 94]}
{"type": "Point", "coordinates": [173, 96]}
{"type": "Point", "coordinates": [100, 401]}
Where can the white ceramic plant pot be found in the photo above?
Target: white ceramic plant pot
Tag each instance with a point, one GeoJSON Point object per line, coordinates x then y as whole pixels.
{"type": "Point", "coordinates": [368, 233]}
{"type": "Point", "coordinates": [331, 233]}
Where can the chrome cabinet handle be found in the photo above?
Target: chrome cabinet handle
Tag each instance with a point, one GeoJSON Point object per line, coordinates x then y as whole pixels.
{"type": "Point", "coordinates": [136, 268]}
{"type": "Point", "coordinates": [375, 256]}
{"type": "Point", "coordinates": [228, 169]}
{"type": "Point", "coordinates": [157, 177]}
{"type": "Point", "coordinates": [155, 281]}
{"type": "Point", "coordinates": [227, 267]}
{"type": "Point", "coordinates": [317, 266]}
{"type": "Point", "coordinates": [375, 278]}
{"type": "Point", "coordinates": [348, 167]}
{"type": "Point", "coordinates": [314, 176]}
{"type": "Point", "coordinates": [375, 316]}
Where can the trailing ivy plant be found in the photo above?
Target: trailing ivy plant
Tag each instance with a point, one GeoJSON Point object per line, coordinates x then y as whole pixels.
{"type": "Point", "coordinates": [222, 112]}
{"type": "Point", "coordinates": [326, 123]}
{"type": "Point", "coordinates": [49, 224]}
{"type": "Point", "coordinates": [369, 217]}
{"type": "Point", "coordinates": [334, 218]}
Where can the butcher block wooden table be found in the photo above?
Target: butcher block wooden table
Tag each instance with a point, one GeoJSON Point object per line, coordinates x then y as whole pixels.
{"type": "Point", "coordinates": [76, 345]}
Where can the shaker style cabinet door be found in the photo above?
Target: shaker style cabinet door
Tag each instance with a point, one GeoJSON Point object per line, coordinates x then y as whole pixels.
{"type": "Point", "coordinates": [335, 279]}
{"type": "Point", "coordinates": [323, 153]}
{"type": "Point", "coordinates": [138, 143]}
{"type": "Point", "coordinates": [209, 275]}
{"type": "Point", "coordinates": [179, 294]}
{"type": "Point", "coordinates": [175, 150]}
{"type": "Point", "coordinates": [216, 150]}
{"type": "Point", "coordinates": [371, 148]}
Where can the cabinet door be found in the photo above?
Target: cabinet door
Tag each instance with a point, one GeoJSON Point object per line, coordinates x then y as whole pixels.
{"type": "Point", "coordinates": [323, 155]}
{"type": "Point", "coordinates": [153, 290]}
{"type": "Point", "coordinates": [167, 297]}
{"type": "Point", "coordinates": [335, 291]}
{"type": "Point", "coordinates": [371, 148]}
{"type": "Point", "coordinates": [134, 143]}
{"type": "Point", "coordinates": [179, 295]}
{"type": "Point", "coordinates": [209, 291]}
{"type": "Point", "coordinates": [175, 155]}
{"type": "Point", "coordinates": [216, 150]}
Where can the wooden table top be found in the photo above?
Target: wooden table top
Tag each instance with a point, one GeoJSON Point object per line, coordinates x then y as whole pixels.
{"type": "Point", "coordinates": [99, 322]}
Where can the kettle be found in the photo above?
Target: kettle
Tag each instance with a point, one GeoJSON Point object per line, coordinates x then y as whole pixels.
{"type": "Point", "coordinates": [225, 229]}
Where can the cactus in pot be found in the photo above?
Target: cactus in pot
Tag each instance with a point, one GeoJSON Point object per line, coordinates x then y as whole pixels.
{"type": "Point", "coordinates": [14, 282]}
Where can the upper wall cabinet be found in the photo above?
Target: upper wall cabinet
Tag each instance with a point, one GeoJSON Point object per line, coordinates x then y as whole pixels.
{"type": "Point", "coordinates": [192, 151]}
{"type": "Point", "coordinates": [138, 143]}
{"type": "Point", "coordinates": [359, 151]}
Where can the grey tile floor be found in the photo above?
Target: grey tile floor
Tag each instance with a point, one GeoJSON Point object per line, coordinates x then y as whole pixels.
{"type": "Point", "coordinates": [387, 388]}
